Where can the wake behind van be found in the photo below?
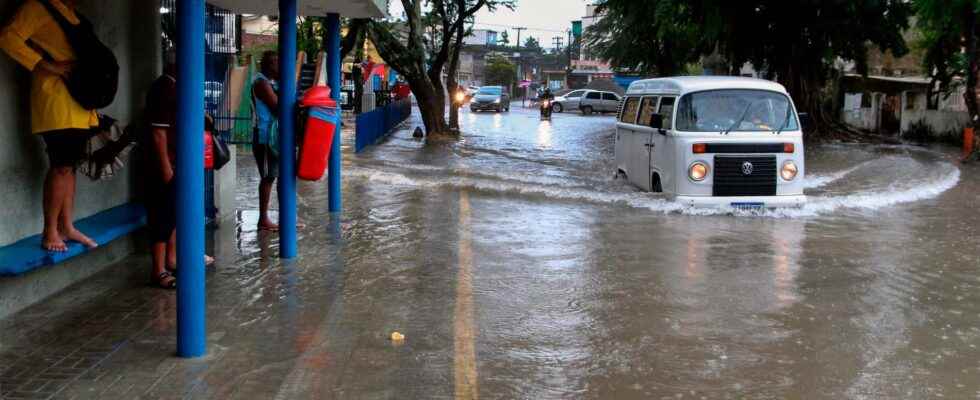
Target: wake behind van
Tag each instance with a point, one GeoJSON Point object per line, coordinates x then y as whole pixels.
{"type": "Point", "coordinates": [712, 141]}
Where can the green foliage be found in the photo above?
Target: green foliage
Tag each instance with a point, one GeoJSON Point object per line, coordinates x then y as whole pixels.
{"type": "Point", "coordinates": [943, 31]}
{"type": "Point", "coordinates": [500, 71]}
{"type": "Point", "coordinates": [309, 34]}
{"type": "Point", "coordinates": [532, 44]}
{"type": "Point", "coordinates": [796, 42]}
{"type": "Point", "coordinates": [504, 39]}
{"type": "Point", "coordinates": [662, 36]}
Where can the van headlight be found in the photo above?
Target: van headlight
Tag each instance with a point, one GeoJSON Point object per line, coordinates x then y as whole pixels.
{"type": "Point", "coordinates": [497, 100]}
{"type": "Point", "coordinates": [789, 170]}
{"type": "Point", "coordinates": [698, 171]}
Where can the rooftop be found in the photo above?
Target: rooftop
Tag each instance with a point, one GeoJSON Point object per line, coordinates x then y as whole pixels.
{"type": "Point", "coordinates": [686, 84]}
{"type": "Point", "coordinates": [346, 8]}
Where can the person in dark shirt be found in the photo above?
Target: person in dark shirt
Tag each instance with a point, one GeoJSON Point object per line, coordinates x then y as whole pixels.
{"type": "Point", "coordinates": [161, 193]}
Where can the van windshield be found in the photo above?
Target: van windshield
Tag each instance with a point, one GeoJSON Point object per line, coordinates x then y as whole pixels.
{"type": "Point", "coordinates": [494, 91]}
{"type": "Point", "coordinates": [742, 110]}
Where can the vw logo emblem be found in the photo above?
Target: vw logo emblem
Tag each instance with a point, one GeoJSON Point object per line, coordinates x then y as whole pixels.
{"type": "Point", "coordinates": [747, 168]}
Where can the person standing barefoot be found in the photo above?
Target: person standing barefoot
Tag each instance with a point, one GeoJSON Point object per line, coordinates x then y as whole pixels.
{"type": "Point", "coordinates": [266, 102]}
{"type": "Point", "coordinates": [56, 117]}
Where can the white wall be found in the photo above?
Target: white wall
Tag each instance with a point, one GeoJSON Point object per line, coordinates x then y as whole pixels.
{"type": "Point", "coordinates": [131, 29]}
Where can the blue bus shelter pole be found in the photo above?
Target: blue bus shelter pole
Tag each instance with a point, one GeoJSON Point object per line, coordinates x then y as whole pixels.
{"type": "Point", "coordinates": [287, 138]}
{"type": "Point", "coordinates": [333, 80]}
{"type": "Point", "coordinates": [191, 335]}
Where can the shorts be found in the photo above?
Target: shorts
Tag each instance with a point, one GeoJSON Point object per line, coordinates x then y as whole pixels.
{"type": "Point", "coordinates": [265, 158]}
{"type": "Point", "coordinates": [161, 210]}
{"type": "Point", "coordinates": [66, 147]}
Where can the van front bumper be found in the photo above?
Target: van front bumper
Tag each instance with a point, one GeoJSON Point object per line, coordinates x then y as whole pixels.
{"type": "Point", "coordinates": [743, 201]}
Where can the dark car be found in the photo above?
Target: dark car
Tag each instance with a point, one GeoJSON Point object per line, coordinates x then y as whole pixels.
{"type": "Point", "coordinates": [488, 98]}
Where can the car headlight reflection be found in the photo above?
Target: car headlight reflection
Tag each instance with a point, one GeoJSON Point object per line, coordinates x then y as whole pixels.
{"type": "Point", "coordinates": [698, 171]}
{"type": "Point", "coordinates": [789, 170]}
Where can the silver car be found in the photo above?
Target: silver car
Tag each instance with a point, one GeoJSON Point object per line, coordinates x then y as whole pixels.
{"type": "Point", "coordinates": [588, 101]}
{"type": "Point", "coordinates": [601, 102]}
{"type": "Point", "coordinates": [569, 101]}
{"type": "Point", "coordinates": [490, 98]}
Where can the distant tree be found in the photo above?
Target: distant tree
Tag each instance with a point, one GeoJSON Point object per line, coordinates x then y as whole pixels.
{"type": "Point", "coordinates": [795, 42]}
{"type": "Point", "coordinates": [405, 47]}
{"type": "Point", "coordinates": [532, 44]}
{"type": "Point", "coordinates": [500, 71]}
{"type": "Point", "coordinates": [950, 31]}
{"type": "Point", "coordinates": [504, 39]}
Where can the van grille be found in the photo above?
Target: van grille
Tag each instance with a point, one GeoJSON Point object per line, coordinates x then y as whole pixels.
{"type": "Point", "coordinates": [730, 178]}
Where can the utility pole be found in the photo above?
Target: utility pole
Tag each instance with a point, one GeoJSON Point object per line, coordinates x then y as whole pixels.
{"type": "Point", "coordinates": [519, 29]}
{"type": "Point", "coordinates": [569, 49]}
{"type": "Point", "coordinates": [557, 41]}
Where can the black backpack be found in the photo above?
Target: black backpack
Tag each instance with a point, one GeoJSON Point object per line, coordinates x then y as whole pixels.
{"type": "Point", "coordinates": [94, 77]}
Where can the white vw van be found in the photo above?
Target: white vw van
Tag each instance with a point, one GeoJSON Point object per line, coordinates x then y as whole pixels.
{"type": "Point", "coordinates": [712, 141]}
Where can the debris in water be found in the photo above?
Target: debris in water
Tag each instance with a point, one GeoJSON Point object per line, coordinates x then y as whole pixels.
{"type": "Point", "coordinates": [397, 337]}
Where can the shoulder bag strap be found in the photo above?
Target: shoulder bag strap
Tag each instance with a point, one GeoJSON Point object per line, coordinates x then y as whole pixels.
{"type": "Point", "coordinates": [63, 22]}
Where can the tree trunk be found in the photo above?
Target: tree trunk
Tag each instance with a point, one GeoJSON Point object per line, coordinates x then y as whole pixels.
{"type": "Point", "coordinates": [452, 82]}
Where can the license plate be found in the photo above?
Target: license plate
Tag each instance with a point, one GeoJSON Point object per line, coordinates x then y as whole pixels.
{"type": "Point", "coordinates": [748, 206]}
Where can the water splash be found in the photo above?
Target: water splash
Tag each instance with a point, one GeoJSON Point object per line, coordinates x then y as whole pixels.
{"type": "Point", "coordinates": [946, 177]}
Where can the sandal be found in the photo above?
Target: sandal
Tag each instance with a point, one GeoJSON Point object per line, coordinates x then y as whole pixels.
{"type": "Point", "coordinates": [208, 262]}
{"type": "Point", "coordinates": [165, 280]}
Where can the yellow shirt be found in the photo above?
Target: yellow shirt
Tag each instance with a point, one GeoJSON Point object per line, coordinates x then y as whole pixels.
{"type": "Point", "coordinates": [52, 107]}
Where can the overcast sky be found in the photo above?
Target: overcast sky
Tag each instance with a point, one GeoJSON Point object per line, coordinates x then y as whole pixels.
{"type": "Point", "coordinates": [544, 19]}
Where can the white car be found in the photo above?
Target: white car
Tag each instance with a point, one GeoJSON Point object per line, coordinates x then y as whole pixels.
{"type": "Point", "coordinates": [587, 101]}
{"type": "Point", "coordinates": [712, 141]}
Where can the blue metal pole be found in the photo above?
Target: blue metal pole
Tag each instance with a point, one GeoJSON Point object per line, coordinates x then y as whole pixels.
{"type": "Point", "coordinates": [191, 334]}
{"type": "Point", "coordinates": [333, 80]}
{"type": "Point", "coordinates": [287, 138]}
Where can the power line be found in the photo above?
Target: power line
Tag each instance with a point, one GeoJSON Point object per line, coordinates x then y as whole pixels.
{"type": "Point", "coordinates": [515, 27]}
{"type": "Point", "coordinates": [519, 29]}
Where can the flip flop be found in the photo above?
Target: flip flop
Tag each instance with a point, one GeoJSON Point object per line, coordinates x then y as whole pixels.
{"type": "Point", "coordinates": [208, 262]}
{"type": "Point", "coordinates": [163, 282]}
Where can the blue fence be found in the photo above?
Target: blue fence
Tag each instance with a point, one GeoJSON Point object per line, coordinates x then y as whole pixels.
{"type": "Point", "coordinates": [375, 125]}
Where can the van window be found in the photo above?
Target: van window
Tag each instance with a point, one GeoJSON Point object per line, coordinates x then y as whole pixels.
{"type": "Point", "coordinates": [745, 110]}
{"type": "Point", "coordinates": [575, 94]}
{"type": "Point", "coordinates": [647, 109]}
{"type": "Point", "coordinates": [630, 109]}
{"type": "Point", "coordinates": [667, 111]}
{"type": "Point", "coordinates": [593, 95]}
{"type": "Point", "coordinates": [610, 96]}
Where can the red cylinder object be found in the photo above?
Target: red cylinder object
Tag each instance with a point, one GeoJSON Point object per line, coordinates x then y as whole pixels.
{"type": "Point", "coordinates": [317, 139]}
{"type": "Point", "coordinates": [208, 150]}
{"type": "Point", "coordinates": [968, 141]}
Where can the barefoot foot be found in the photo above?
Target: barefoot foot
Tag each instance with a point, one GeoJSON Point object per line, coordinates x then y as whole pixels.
{"type": "Point", "coordinates": [267, 225]}
{"type": "Point", "coordinates": [53, 243]}
{"type": "Point", "coordinates": [208, 261]}
{"type": "Point", "coordinates": [80, 237]}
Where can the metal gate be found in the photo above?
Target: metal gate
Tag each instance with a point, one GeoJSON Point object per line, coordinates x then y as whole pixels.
{"type": "Point", "coordinates": [223, 39]}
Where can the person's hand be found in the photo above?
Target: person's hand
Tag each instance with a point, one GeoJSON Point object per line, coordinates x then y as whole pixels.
{"type": "Point", "coordinates": [58, 68]}
{"type": "Point", "coordinates": [168, 175]}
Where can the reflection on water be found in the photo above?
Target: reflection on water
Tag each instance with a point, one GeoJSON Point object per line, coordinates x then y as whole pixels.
{"type": "Point", "coordinates": [544, 134]}
{"type": "Point", "coordinates": [575, 285]}
{"type": "Point", "coordinates": [516, 266]}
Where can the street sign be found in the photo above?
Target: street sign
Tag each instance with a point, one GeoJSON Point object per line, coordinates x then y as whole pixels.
{"type": "Point", "coordinates": [577, 28]}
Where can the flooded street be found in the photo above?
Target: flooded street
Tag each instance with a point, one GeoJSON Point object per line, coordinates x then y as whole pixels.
{"type": "Point", "coordinates": [517, 267]}
{"type": "Point", "coordinates": [570, 284]}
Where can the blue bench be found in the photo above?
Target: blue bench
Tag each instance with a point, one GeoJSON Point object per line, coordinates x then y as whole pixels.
{"type": "Point", "coordinates": [27, 255]}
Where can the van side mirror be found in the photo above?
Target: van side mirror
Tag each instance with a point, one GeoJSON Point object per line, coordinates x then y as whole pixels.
{"type": "Point", "coordinates": [657, 121]}
{"type": "Point", "coordinates": [805, 121]}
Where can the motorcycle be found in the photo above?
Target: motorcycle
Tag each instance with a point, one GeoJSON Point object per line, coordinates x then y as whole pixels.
{"type": "Point", "coordinates": [546, 110]}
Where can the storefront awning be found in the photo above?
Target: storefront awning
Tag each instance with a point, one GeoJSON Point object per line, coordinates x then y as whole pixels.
{"type": "Point", "coordinates": [346, 8]}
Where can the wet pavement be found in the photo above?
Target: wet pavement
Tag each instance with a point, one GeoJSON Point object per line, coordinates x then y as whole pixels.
{"type": "Point", "coordinates": [516, 266]}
